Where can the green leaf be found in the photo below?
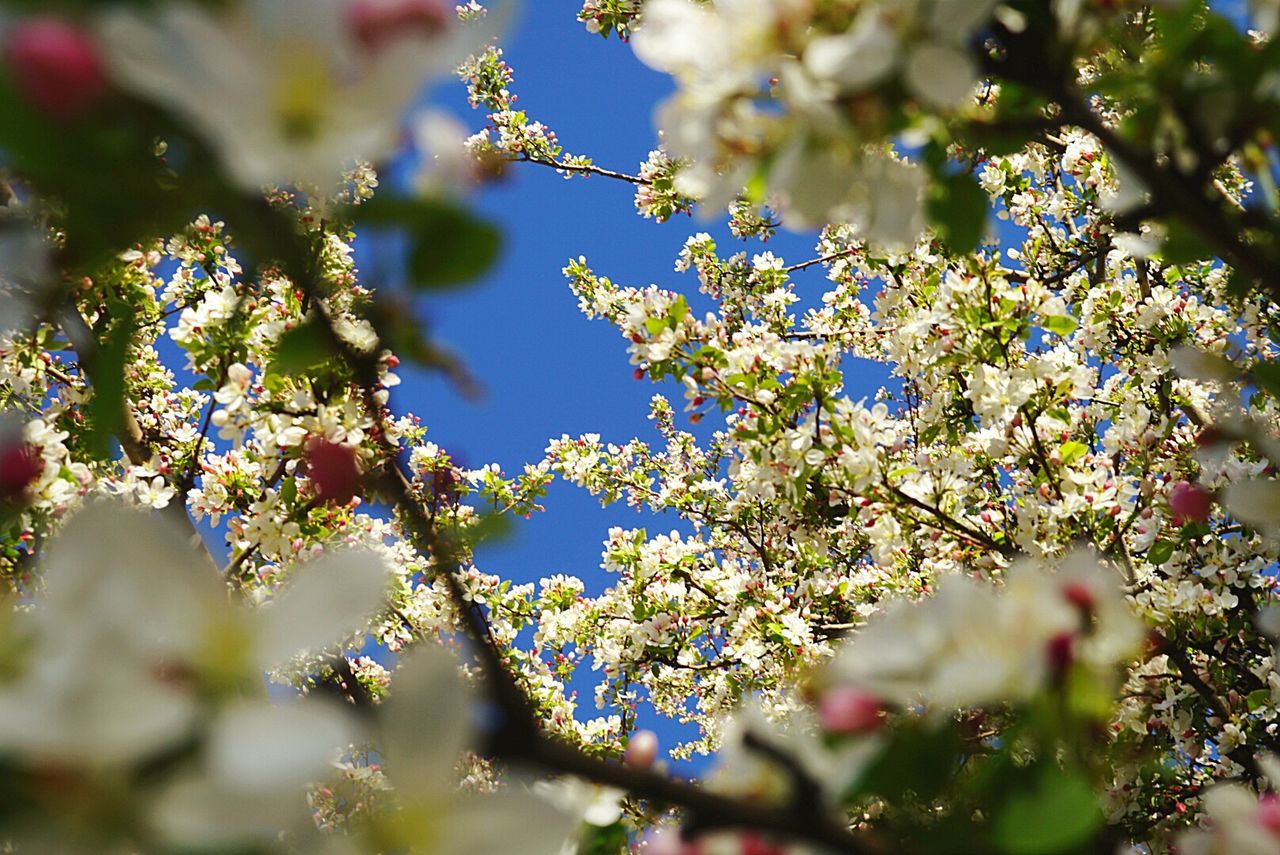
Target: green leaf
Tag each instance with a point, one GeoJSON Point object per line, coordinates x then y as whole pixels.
{"type": "Point", "coordinates": [679, 311]}
{"type": "Point", "coordinates": [1059, 813]}
{"type": "Point", "coordinates": [958, 208]}
{"type": "Point", "coordinates": [302, 349]}
{"type": "Point", "coordinates": [1071, 451]}
{"type": "Point", "coordinates": [106, 408]}
{"type": "Point", "coordinates": [1160, 552]}
{"type": "Point", "coordinates": [449, 246]}
{"type": "Point", "coordinates": [1258, 699]}
{"type": "Point", "coordinates": [1061, 325]}
{"type": "Point", "coordinates": [1267, 376]}
{"type": "Point", "coordinates": [919, 760]}
{"type": "Point", "coordinates": [289, 491]}
{"type": "Point", "coordinates": [489, 528]}
{"type": "Point", "coordinates": [607, 840]}
{"type": "Point", "coordinates": [1182, 244]}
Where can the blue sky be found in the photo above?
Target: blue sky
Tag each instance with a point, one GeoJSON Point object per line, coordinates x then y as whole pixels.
{"type": "Point", "coordinates": [546, 368]}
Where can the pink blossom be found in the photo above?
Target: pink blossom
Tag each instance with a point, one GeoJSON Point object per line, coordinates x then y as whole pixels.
{"type": "Point", "coordinates": [850, 710]}
{"type": "Point", "coordinates": [55, 65]}
{"type": "Point", "coordinates": [334, 473]}
{"type": "Point", "coordinates": [1190, 502]}
{"type": "Point", "coordinates": [375, 24]}
{"type": "Point", "coordinates": [20, 466]}
{"type": "Point", "coordinates": [642, 750]}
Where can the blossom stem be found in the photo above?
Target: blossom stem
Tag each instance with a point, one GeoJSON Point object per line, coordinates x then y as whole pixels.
{"type": "Point", "coordinates": [585, 169]}
{"type": "Point", "coordinates": [518, 737]}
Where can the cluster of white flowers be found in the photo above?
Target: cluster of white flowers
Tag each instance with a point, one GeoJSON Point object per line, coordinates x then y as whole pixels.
{"type": "Point", "coordinates": [971, 644]}
{"type": "Point", "coordinates": [1074, 450]}
{"type": "Point", "coordinates": [282, 103]}
{"type": "Point", "coordinates": [825, 161]}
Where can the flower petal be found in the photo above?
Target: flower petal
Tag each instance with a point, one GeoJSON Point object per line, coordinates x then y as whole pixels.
{"type": "Point", "coordinates": [332, 598]}
{"type": "Point", "coordinates": [257, 746]}
{"type": "Point", "coordinates": [426, 722]}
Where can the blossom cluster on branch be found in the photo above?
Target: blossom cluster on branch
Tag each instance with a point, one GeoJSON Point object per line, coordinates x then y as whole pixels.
{"type": "Point", "coordinates": [1023, 600]}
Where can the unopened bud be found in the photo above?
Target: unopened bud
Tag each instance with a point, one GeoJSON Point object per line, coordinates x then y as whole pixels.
{"type": "Point", "coordinates": [642, 749]}
{"type": "Point", "coordinates": [1061, 653]}
{"type": "Point", "coordinates": [375, 24]}
{"type": "Point", "coordinates": [1190, 502]}
{"type": "Point", "coordinates": [20, 466]}
{"type": "Point", "coordinates": [848, 709]}
{"type": "Point", "coordinates": [55, 65]}
{"type": "Point", "coordinates": [333, 471]}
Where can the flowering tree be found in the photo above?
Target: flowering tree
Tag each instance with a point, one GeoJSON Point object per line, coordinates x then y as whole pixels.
{"type": "Point", "coordinates": [1022, 602]}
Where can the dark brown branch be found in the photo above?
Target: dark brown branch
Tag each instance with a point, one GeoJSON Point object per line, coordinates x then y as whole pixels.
{"type": "Point", "coordinates": [518, 737]}
{"type": "Point", "coordinates": [585, 169]}
{"type": "Point", "coordinates": [129, 434]}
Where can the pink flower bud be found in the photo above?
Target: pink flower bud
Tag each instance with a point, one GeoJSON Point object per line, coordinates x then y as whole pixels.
{"type": "Point", "coordinates": [667, 841]}
{"type": "Point", "coordinates": [642, 749]}
{"type": "Point", "coordinates": [1061, 653]}
{"type": "Point", "coordinates": [20, 466]}
{"type": "Point", "coordinates": [55, 65]}
{"type": "Point", "coordinates": [1079, 595]}
{"type": "Point", "coordinates": [1189, 502]}
{"type": "Point", "coordinates": [754, 844]}
{"type": "Point", "coordinates": [848, 709]}
{"type": "Point", "coordinates": [375, 24]}
{"type": "Point", "coordinates": [333, 471]}
{"type": "Point", "coordinates": [1268, 815]}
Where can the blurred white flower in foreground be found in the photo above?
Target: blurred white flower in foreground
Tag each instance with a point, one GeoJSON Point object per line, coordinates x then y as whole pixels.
{"type": "Point", "coordinates": [593, 804]}
{"type": "Point", "coordinates": [974, 643]}
{"type": "Point", "coordinates": [447, 167]}
{"type": "Point", "coordinates": [748, 765]}
{"type": "Point", "coordinates": [771, 98]}
{"type": "Point", "coordinates": [425, 729]}
{"type": "Point", "coordinates": [25, 272]}
{"type": "Point", "coordinates": [289, 91]}
{"type": "Point", "coordinates": [1255, 501]}
{"type": "Point", "coordinates": [1239, 821]}
{"type": "Point", "coordinates": [133, 649]}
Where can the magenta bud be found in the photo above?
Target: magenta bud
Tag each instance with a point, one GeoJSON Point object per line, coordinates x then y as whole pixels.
{"type": "Point", "coordinates": [848, 709]}
{"type": "Point", "coordinates": [55, 65]}
{"type": "Point", "coordinates": [1190, 502]}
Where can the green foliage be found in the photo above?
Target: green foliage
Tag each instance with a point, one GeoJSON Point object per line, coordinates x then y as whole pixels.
{"type": "Point", "coordinates": [1058, 812]}
{"type": "Point", "coordinates": [607, 840]}
{"type": "Point", "coordinates": [107, 407]}
{"type": "Point", "coordinates": [303, 349]}
{"type": "Point", "coordinates": [958, 209]}
{"type": "Point", "coordinates": [448, 245]}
